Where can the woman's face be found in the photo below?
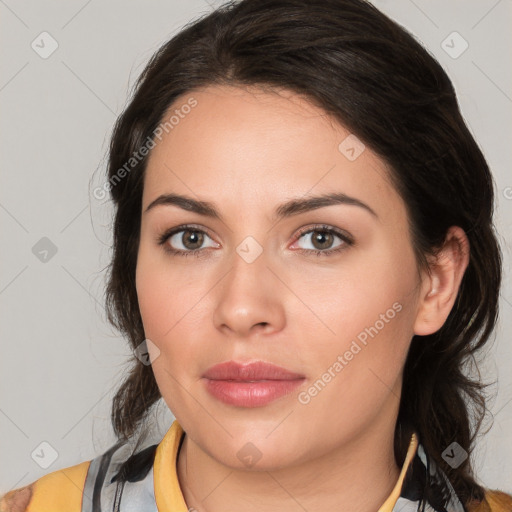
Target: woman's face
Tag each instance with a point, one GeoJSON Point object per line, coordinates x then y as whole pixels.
{"type": "Point", "coordinates": [341, 319]}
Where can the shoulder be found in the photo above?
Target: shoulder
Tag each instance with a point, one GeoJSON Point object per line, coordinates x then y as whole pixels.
{"type": "Point", "coordinates": [60, 490]}
{"type": "Point", "coordinates": [494, 501]}
{"type": "Point", "coordinates": [119, 472]}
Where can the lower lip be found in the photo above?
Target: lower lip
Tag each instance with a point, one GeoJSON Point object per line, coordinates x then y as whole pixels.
{"type": "Point", "coordinates": [250, 394]}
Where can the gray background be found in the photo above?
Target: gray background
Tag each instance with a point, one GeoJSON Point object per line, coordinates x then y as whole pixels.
{"type": "Point", "coordinates": [61, 361]}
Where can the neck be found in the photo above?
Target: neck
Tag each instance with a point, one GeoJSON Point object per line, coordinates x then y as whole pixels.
{"type": "Point", "coordinates": [356, 477]}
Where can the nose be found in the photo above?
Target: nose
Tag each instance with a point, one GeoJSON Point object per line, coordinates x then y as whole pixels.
{"type": "Point", "coordinates": [249, 299]}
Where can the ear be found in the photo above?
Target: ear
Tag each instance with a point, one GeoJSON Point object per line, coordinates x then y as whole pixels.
{"type": "Point", "coordinates": [439, 289]}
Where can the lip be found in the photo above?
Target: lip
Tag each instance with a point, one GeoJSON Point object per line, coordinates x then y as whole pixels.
{"type": "Point", "coordinates": [256, 370]}
{"type": "Point", "coordinates": [252, 384]}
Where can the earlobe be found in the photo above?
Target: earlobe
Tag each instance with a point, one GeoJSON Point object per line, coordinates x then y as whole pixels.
{"type": "Point", "coordinates": [440, 287]}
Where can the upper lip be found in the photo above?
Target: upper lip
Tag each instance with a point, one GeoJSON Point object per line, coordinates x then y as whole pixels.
{"type": "Point", "coordinates": [258, 370]}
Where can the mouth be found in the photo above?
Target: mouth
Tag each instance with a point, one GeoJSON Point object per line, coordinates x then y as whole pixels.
{"type": "Point", "coordinates": [250, 385]}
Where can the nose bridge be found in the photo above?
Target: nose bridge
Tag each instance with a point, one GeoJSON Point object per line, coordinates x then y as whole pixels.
{"type": "Point", "coordinates": [249, 267]}
{"type": "Point", "coordinates": [248, 294]}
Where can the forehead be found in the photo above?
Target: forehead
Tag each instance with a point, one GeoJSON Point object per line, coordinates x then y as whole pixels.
{"type": "Point", "coordinates": [237, 145]}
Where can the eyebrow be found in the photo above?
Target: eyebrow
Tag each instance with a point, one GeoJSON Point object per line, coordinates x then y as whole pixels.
{"type": "Point", "coordinates": [287, 209]}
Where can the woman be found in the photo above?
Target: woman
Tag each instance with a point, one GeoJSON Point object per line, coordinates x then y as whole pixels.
{"type": "Point", "coordinates": [304, 260]}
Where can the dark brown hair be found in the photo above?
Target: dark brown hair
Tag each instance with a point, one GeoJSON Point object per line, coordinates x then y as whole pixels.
{"type": "Point", "coordinates": [374, 78]}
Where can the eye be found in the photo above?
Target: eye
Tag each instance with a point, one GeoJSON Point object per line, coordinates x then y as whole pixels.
{"type": "Point", "coordinates": [188, 240]}
{"type": "Point", "coordinates": [184, 240]}
{"type": "Point", "coordinates": [322, 238]}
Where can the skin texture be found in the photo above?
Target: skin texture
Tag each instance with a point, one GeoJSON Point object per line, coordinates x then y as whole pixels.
{"type": "Point", "coordinates": [247, 151]}
{"type": "Point", "coordinates": [16, 500]}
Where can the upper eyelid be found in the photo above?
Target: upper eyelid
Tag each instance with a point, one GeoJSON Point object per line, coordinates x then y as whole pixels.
{"type": "Point", "coordinates": [322, 227]}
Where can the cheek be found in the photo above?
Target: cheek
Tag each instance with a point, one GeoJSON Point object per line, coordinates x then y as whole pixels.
{"type": "Point", "coordinates": [171, 312]}
{"type": "Point", "coordinates": [167, 316]}
{"type": "Point", "coordinates": [368, 289]}
{"type": "Point", "coordinates": [359, 373]}
{"type": "Point", "coordinates": [154, 301]}
{"type": "Point", "coordinates": [367, 317]}
{"type": "Point", "coordinates": [163, 295]}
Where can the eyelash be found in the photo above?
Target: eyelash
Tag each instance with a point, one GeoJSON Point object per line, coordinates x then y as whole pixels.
{"type": "Point", "coordinates": [323, 228]}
